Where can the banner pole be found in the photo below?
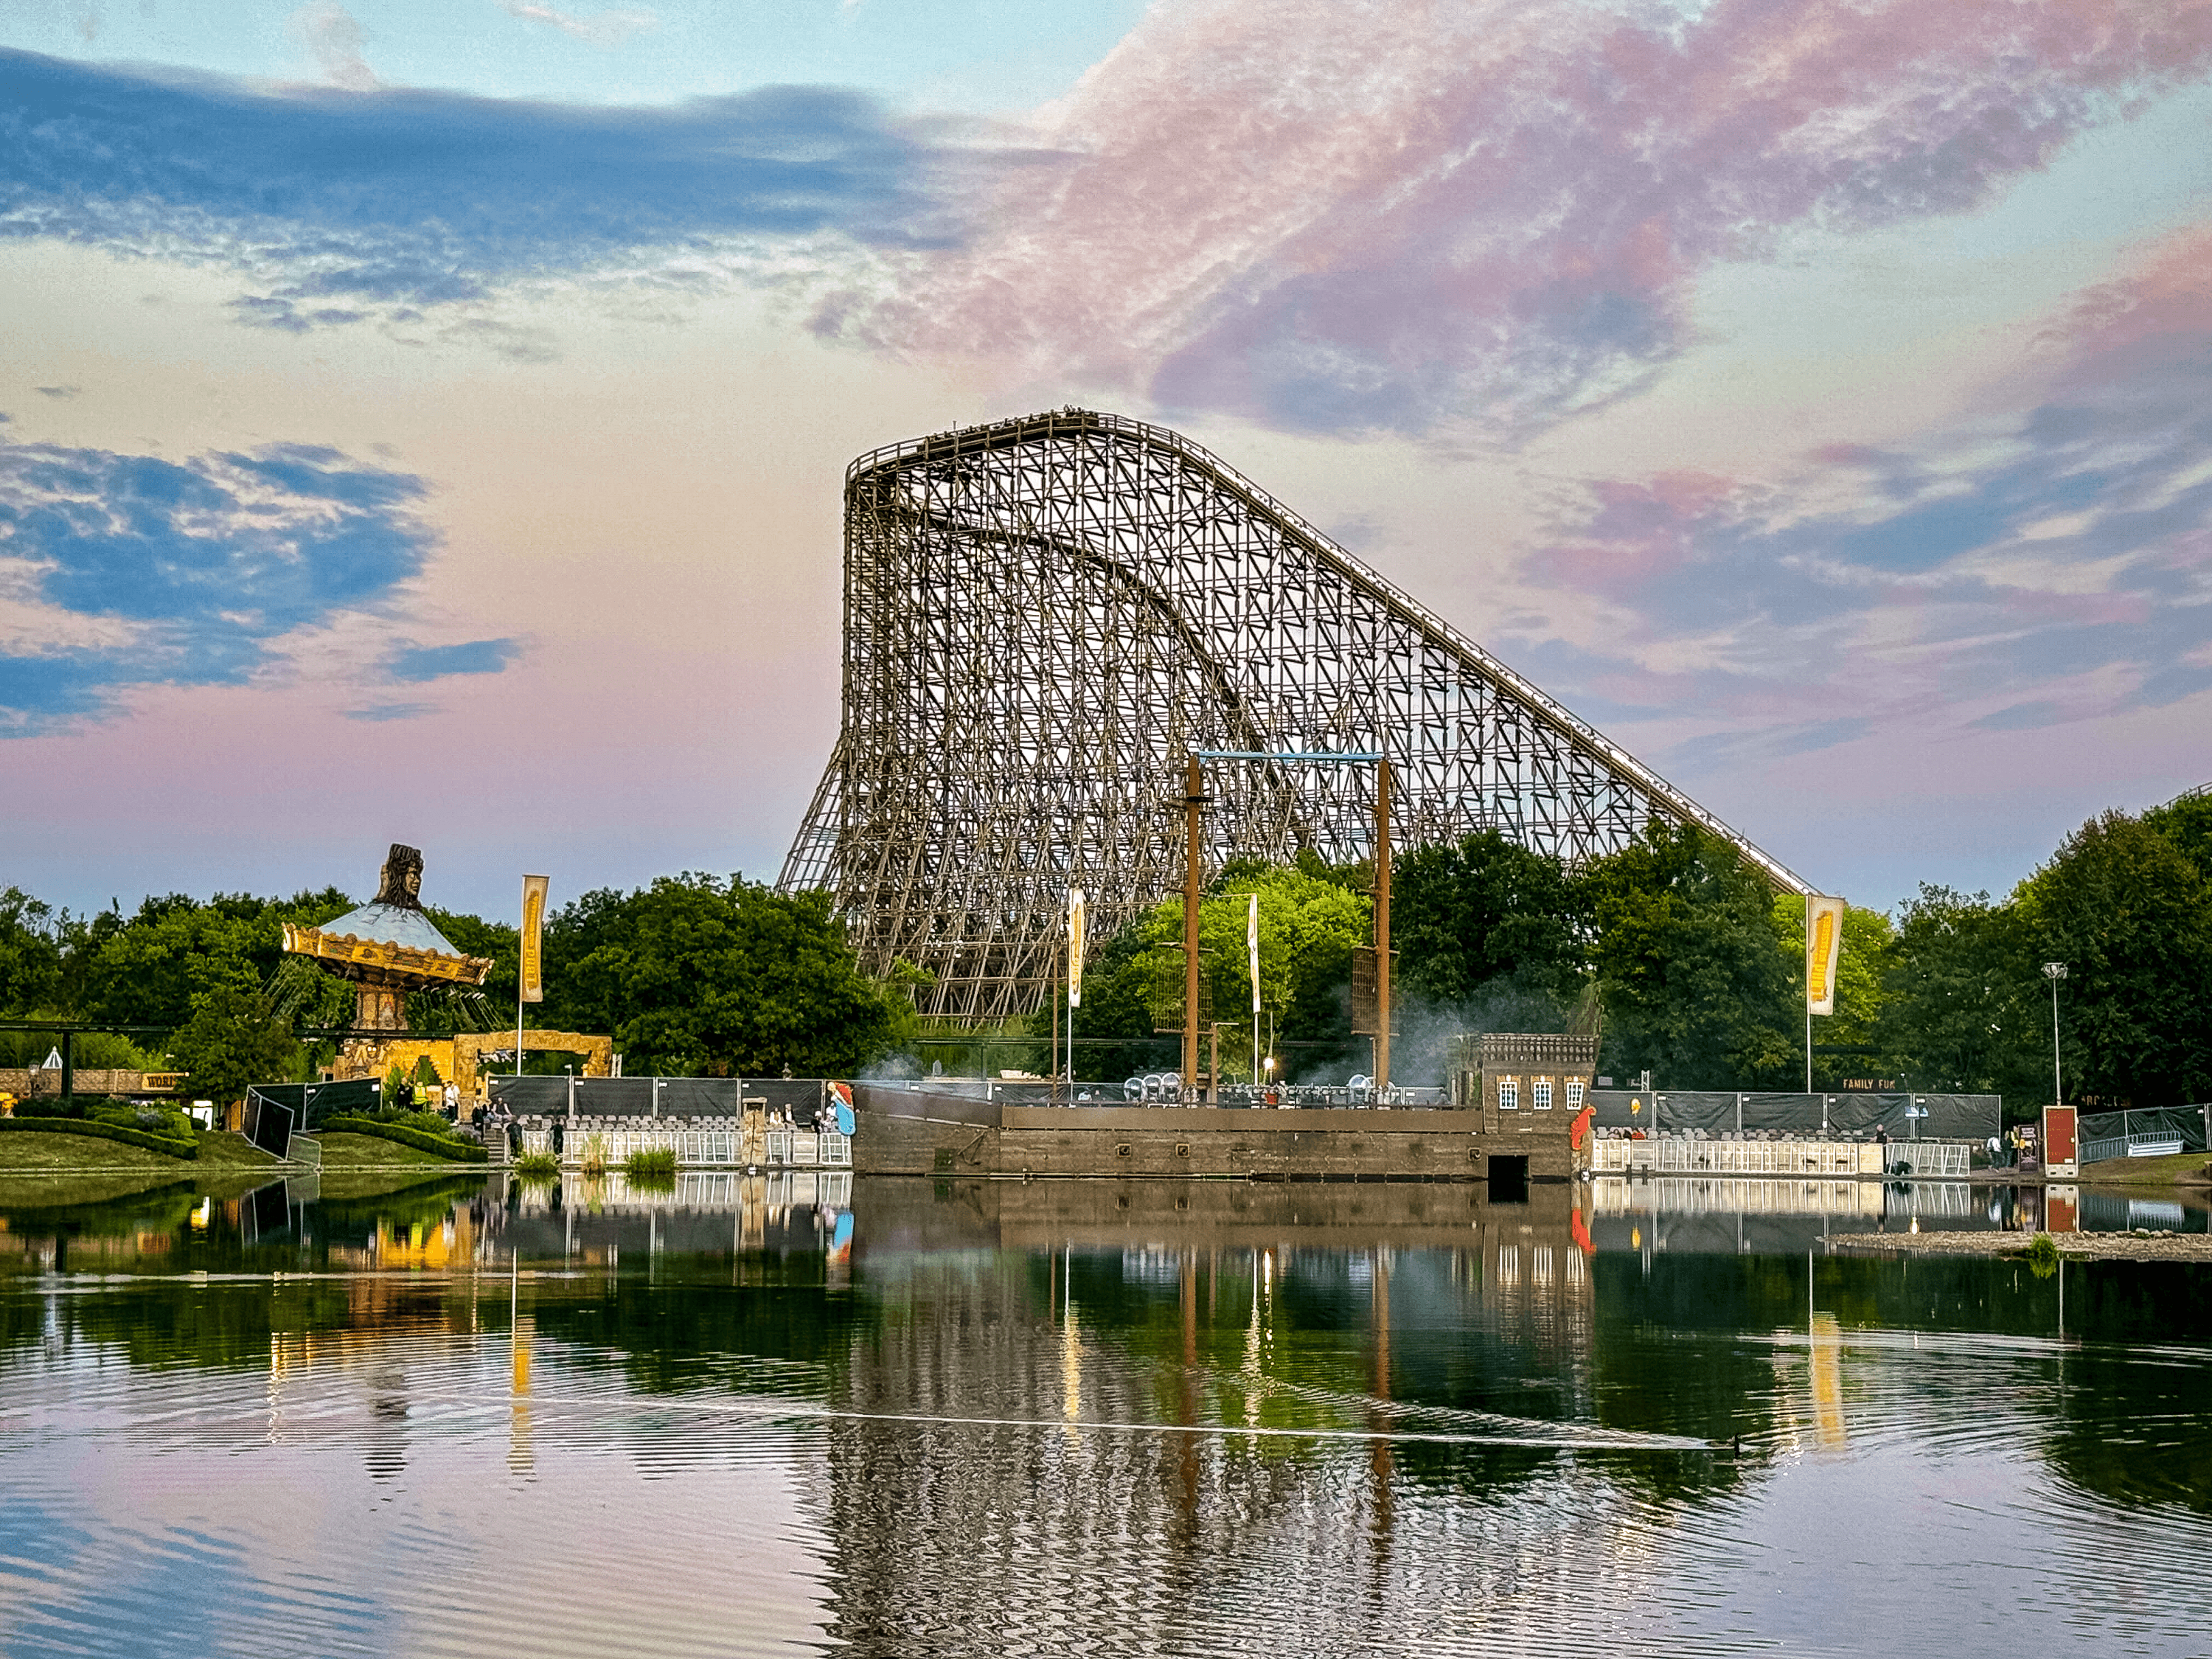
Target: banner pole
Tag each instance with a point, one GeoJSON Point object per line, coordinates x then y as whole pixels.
{"type": "Point", "coordinates": [1809, 993]}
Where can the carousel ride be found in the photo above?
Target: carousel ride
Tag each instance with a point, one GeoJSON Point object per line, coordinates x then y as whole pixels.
{"type": "Point", "coordinates": [388, 950]}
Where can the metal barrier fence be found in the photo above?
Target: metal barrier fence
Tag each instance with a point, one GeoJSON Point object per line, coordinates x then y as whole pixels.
{"type": "Point", "coordinates": [1667, 1155]}
{"type": "Point", "coordinates": [801, 1148]}
{"type": "Point", "coordinates": [2151, 1132]}
{"type": "Point", "coordinates": [616, 1147]}
{"type": "Point", "coordinates": [2153, 1145]}
{"type": "Point", "coordinates": [1617, 1195]}
{"type": "Point", "coordinates": [730, 1190]}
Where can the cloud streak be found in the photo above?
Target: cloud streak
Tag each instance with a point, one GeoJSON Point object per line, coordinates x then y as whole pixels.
{"type": "Point", "coordinates": [348, 206]}
{"type": "Point", "coordinates": [2053, 569]}
{"type": "Point", "coordinates": [605, 30]}
{"type": "Point", "coordinates": [1331, 214]}
{"type": "Point", "coordinates": [121, 570]}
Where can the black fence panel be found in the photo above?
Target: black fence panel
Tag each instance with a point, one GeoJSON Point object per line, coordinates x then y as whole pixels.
{"type": "Point", "coordinates": [701, 1096]}
{"type": "Point", "coordinates": [533, 1096]}
{"type": "Point", "coordinates": [799, 1096]}
{"type": "Point", "coordinates": [267, 1122]}
{"type": "Point", "coordinates": [311, 1103]}
{"type": "Point", "coordinates": [1849, 1112]}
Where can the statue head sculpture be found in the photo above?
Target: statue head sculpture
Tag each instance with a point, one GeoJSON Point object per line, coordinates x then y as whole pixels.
{"type": "Point", "coordinates": [403, 878]}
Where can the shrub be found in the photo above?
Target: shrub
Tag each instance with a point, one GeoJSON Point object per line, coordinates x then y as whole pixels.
{"type": "Point", "coordinates": [537, 1167]}
{"type": "Point", "coordinates": [2042, 1255]}
{"type": "Point", "coordinates": [593, 1162]}
{"type": "Point", "coordinates": [652, 1167]}
{"type": "Point", "coordinates": [187, 1147]}
{"type": "Point", "coordinates": [462, 1151]}
{"type": "Point", "coordinates": [152, 1119]}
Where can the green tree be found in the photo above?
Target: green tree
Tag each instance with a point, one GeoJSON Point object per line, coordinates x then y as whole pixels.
{"type": "Point", "coordinates": [1695, 978]}
{"type": "Point", "coordinates": [696, 975]}
{"type": "Point", "coordinates": [442, 1013]}
{"type": "Point", "coordinates": [1965, 1013]}
{"type": "Point", "coordinates": [1309, 926]}
{"type": "Point", "coordinates": [2187, 823]}
{"type": "Point", "coordinates": [1117, 1002]}
{"type": "Point", "coordinates": [2131, 915]}
{"type": "Point", "coordinates": [150, 969]}
{"type": "Point", "coordinates": [30, 952]}
{"type": "Point", "coordinates": [233, 1038]}
{"type": "Point", "coordinates": [1864, 991]}
{"type": "Point", "coordinates": [1483, 926]}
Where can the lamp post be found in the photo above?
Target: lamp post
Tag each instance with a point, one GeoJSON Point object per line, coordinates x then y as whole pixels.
{"type": "Point", "coordinates": [2055, 971]}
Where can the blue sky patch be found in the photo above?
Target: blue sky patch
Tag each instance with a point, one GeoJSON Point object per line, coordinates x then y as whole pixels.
{"type": "Point", "coordinates": [411, 665]}
{"type": "Point", "coordinates": [418, 199]}
{"type": "Point", "coordinates": [203, 564]}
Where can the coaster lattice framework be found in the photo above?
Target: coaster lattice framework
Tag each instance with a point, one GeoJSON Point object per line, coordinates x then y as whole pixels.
{"type": "Point", "coordinates": [1044, 616]}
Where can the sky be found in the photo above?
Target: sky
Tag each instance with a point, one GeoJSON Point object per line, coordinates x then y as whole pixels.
{"type": "Point", "coordinates": [425, 422]}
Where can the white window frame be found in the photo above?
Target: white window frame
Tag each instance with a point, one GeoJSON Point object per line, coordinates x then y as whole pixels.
{"type": "Point", "coordinates": [1508, 1094]}
{"type": "Point", "coordinates": [1574, 1091]}
{"type": "Point", "coordinates": [1539, 1094]}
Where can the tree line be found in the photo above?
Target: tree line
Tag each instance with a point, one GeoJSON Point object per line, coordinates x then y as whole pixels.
{"type": "Point", "coordinates": [691, 974]}
{"type": "Point", "coordinates": [1698, 965]}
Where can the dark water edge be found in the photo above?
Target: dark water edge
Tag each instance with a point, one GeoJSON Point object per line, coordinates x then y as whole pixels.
{"type": "Point", "coordinates": [919, 1416]}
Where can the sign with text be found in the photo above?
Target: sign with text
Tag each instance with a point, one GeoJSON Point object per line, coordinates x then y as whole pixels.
{"type": "Point", "coordinates": [534, 934]}
{"type": "Point", "coordinates": [1824, 949]}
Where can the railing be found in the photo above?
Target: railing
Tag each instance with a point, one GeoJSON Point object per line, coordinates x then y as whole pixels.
{"type": "Point", "coordinates": [1938, 1160]}
{"type": "Point", "coordinates": [1618, 1195]}
{"type": "Point", "coordinates": [617, 1146]}
{"type": "Point", "coordinates": [2096, 1152]}
{"type": "Point", "coordinates": [800, 1148]}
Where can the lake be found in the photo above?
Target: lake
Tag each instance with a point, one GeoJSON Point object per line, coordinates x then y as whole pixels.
{"type": "Point", "coordinates": [916, 1417]}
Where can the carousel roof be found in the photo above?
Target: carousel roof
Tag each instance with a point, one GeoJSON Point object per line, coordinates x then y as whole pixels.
{"type": "Point", "coordinates": [390, 924]}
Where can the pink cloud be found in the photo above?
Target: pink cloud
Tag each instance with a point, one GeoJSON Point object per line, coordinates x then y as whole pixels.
{"type": "Point", "coordinates": [2023, 568]}
{"type": "Point", "coordinates": [1635, 532]}
{"type": "Point", "coordinates": [1326, 213]}
{"type": "Point", "coordinates": [2163, 303]}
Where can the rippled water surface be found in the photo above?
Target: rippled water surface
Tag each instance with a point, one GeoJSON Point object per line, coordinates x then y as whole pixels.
{"type": "Point", "coordinates": [973, 1417]}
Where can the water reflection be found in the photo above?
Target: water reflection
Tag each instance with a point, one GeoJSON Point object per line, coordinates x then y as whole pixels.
{"type": "Point", "coordinates": [958, 1417]}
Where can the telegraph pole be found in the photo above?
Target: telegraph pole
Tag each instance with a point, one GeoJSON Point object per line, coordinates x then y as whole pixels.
{"type": "Point", "coordinates": [2055, 971]}
{"type": "Point", "coordinates": [1382, 925]}
{"type": "Point", "coordinates": [1194, 803]}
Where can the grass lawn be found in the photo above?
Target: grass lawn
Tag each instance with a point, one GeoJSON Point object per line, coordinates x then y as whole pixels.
{"type": "Point", "coordinates": [222, 1147]}
{"type": "Point", "coordinates": [342, 1151]}
{"type": "Point", "coordinates": [25, 1154]}
{"type": "Point", "coordinates": [2147, 1171]}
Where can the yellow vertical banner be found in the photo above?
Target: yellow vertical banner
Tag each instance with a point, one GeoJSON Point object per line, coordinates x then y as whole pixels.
{"type": "Point", "coordinates": [1824, 949]}
{"type": "Point", "coordinates": [534, 934]}
{"type": "Point", "coordinates": [1074, 947]}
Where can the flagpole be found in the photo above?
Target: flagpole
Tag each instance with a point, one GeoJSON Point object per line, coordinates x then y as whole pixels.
{"type": "Point", "coordinates": [1252, 936]}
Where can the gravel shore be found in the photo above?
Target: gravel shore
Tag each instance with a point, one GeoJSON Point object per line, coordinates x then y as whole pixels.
{"type": "Point", "coordinates": [2074, 1247]}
